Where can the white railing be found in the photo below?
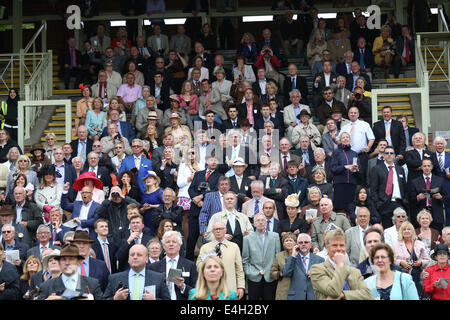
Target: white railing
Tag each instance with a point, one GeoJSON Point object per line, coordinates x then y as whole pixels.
{"type": "Point", "coordinates": [42, 104]}
{"type": "Point", "coordinates": [422, 89]}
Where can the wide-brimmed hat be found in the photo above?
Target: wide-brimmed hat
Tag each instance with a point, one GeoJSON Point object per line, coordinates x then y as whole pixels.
{"type": "Point", "coordinates": [49, 169]}
{"type": "Point", "coordinates": [304, 112]}
{"type": "Point", "coordinates": [70, 250]}
{"type": "Point", "coordinates": [174, 97]}
{"type": "Point", "coordinates": [81, 236]}
{"type": "Point", "coordinates": [337, 109]}
{"type": "Point", "coordinates": [292, 201]}
{"type": "Point", "coordinates": [55, 253]}
{"type": "Point", "coordinates": [238, 162]}
{"type": "Point", "coordinates": [79, 183]}
{"type": "Point", "coordinates": [7, 210]}
{"type": "Point", "coordinates": [152, 174]}
{"type": "Point", "coordinates": [440, 248]}
{"type": "Point", "coordinates": [152, 115]}
{"type": "Point", "coordinates": [175, 115]}
{"type": "Point", "coordinates": [37, 146]}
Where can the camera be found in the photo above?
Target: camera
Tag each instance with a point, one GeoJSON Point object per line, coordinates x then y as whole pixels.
{"type": "Point", "coordinates": [117, 137]}
{"type": "Point", "coordinates": [115, 195]}
{"type": "Point", "coordinates": [297, 249]}
{"type": "Point", "coordinates": [358, 95]}
{"type": "Point", "coordinates": [266, 51]}
{"type": "Point", "coordinates": [204, 187]}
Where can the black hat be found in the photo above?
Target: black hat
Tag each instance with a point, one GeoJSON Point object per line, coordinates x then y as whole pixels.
{"type": "Point", "coordinates": [304, 112]}
{"type": "Point", "coordinates": [440, 248]}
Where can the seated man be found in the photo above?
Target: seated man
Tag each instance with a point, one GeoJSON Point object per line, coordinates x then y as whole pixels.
{"type": "Point", "coordinates": [10, 243]}
{"type": "Point", "coordinates": [6, 218]}
{"type": "Point", "coordinates": [129, 93]}
{"type": "Point", "coordinates": [43, 237]}
{"type": "Point", "coordinates": [168, 210]}
{"type": "Point", "coordinates": [125, 129]}
{"type": "Point", "coordinates": [103, 88]}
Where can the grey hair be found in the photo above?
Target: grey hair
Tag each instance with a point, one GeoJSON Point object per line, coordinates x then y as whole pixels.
{"type": "Point", "coordinates": [170, 234]}
{"type": "Point", "coordinates": [43, 226]}
{"type": "Point", "coordinates": [304, 235]}
{"type": "Point", "coordinates": [320, 150]}
{"type": "Point", "coordinates": [326, 200]}
{"type": "Point", "coordinates": [349, 51]}
{"type": "Point", "coordinates": [257, 183]}
{"type": "Point", "coordinates": [420, 133]}
{"type": "Point", "coordinates": [9, 225]}
{"type": "Point", "coordinates": [445, 229]}
{"type": "Point", "coordinates": [396, 212]}
{"type": "Point", "coordinates": [295, 91]}
{"type": "Point", "coordinates": [9, 152]}
{"type": "Point", "coordinates": [67, 235]}
{"type": "Point", "coordinates": [170, 189]}
{"type": "Point", "coordinates": [78, 158]}
{"type": "Point", "coordinates": [138, 140]}
{"type": "Point", "coordinates": [439, 138]}
{"type": "Point", "coordinates": [230, 192]}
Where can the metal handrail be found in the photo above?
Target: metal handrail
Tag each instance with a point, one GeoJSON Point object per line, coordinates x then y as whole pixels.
{"type": "Point", "coordinates": [35, 36]}
{"type": "Point", "coordinates": [442, 18]}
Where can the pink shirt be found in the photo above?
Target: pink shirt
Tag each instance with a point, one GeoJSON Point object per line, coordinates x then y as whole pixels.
{"type": "Point", "coordinates": [250, 114]}
{"type": "Point", "coordinates": [129, 94]}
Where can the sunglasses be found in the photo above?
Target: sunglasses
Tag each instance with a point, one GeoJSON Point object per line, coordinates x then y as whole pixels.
{"type": "Point", "coordinates": [389, 153]}
{"type": "Point", "coordinates": [6, 231]}
{"type": "Point", "coordinates": [191, 152]}
{"type": "Point", "coordinates": [303, 242]}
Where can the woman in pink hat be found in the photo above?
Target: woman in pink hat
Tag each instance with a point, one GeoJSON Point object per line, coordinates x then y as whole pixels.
{"type": "Point", "coordinates": [90, 179]}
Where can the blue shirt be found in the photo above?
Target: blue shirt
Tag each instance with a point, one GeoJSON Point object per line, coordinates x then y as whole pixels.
{"type": "Point", "coordinates": [132, 278]}
{"type": "Point", "coordinates": [72, 281]}
{"type": "Point", "coordinates": [103, 250]}
{"type": "Point", "coordinates": [297, 112]}
{"type": "Point", "coordinates": [19, 212]}
{"type": "Point", "coordinates": [10, 248]}
{"type": "Point", "coordinates": [80, 147]}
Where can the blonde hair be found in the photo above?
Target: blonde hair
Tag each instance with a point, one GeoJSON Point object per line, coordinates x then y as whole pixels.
{"type": "Point", "coordinates": [202, 286]}
{"type": "Point", "coordinates": [26, 274]}
{"type": "Point", "coordinates": [183, 90]}
{"type": "Point", "coordinates": [50, 134]}
{"type": "Point", "coordinates": [334, 234]}
{"type": "Point", "coordinates": [24, 157]}
{"type": "Point", "coordinates": [252, 38]}
{"type": "Point", "coordinates": [272, 85]}
{"type": "Point", "coordinates": [424, 212]}
{"type": "Point", "coordinates": [405, 225]}
{"type": "Point", "coordinates": [321, 171]}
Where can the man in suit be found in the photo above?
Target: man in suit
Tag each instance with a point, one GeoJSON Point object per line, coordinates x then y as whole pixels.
{"type": "Point", "coordinates": [100, 40]}
{"type": "Point", "coordinates": [101, 173]}
{"type": "Point", "coordinates": [43, 236]}
{"type": "Point", "coordinates": [297, 268]}
{"type": "Point", "coordinates": [158, 66]}
{"type": "Point", "coordinates": [255, 205]}
{"type": "Point", "coordinates": [323, 112]}
{"type": "Point", "coordinates": [355, 234]}
{"type": "Point", "coordinates": [443, 160]}
{"type": "Point", "coordinates": [158, 42]}
{"type": "Point", "coordinates": [297, 183]}
{"type": "Point", "coordinates": [10, 243]}
{"type": "Point", "coordinates": [338, 46]}
{"type": "Point", "coordinates": [276, 188]}
{"type": "Point", "coordinates": [180, 42]}
{"type": "Point", "coordinates": [334, 280]}
{"type": "Point", "coordinates": [199, 51]}
{"type": "Point", "coordinates": [160, 90]}
{"type": "Point", "coordinates": [103, 88]}
{"type": "Point", "coordinates": [9, 279]}
{"type": "Point", "coordinates": [413, 158]}
{"type": "Point", "coordinates": [388, 187]}
{"type": "Point", "coordinates": [231, 257]}
{"type": "Point", "coordinates": [286, 156]}
{"type": "Point", "coordinates": [259, 86]}
{"type": "Point", "coordinates": [57, 229]}
{"type": "Point", "coordinates": [81, 146]}
{"type": "Point", "coordinates": [70, 62]}
{"type": "Point", "coordinates": [104, 247]}
{"type": "Point", "coordinates": [365, 57]}
{"type": "Point", "coordinates": [125, 129]}
{"type": "Point", "coordinates": [129, 237]}
{"type": "Point", "coordinates": [239, 182]}
{"type": "Point", "coordinates": [377, 158]}
{"type": "Point", "coordinates": [269, 41]}
{"type": "Point", "coordinates": [318, 65]}
{"type": "Point", "coordinates": [232, 122]}
{"type": "Point", "coordinates": [132, 284]}
{"type": "Point", "coordinates": [405, 50]}
{"type": "Point", "coordinates": [66, 172]}
{"type": "Point", "coordinates": [342, 93]}
{"type": "Point", "coordinates": [211, 177]}
{"type": "Point", "coordinates": [323, 79]}
{"type": "Point", "coordinates": [138, 161]}
{"type": "Point", "coordinates": [345, 67]}
{"type": "Point", "coordinates": [428, 191]}
{"type": "Point", "coordinates": [272, 224]}
{"type": "Point", "coordinates": [211, 127]}
{"type": "Point", "coordinates": [90, 267]}
{"type": "Point", "coordinates": [294, 81]}
{"type": "Point", "coordinates": [356, 73]}
{"type": "Point", "coordinates": [320, 161]}
{"type": "Point", "coordinates": [237, 149]}
{"type": "Point", "coordinates": [291, 111]}
{"type": "Point", "coordinates": [266, 116]}
{"type": "Point", "coordinates": [69, 259]}
{"type": "Point", "coordinates": [67, 151]}
{"type": "Point", "coordinates": [249, 108]}
{"type": "Point", "coordinates": [391, 130]}
{"type": "Point", "coordinates": [213, 203]}
{"type": "Point", "coordinates": [83, 212]}
{"type": "Point", "coordinates": [305, 153]}
{"type": "Point", "coordinates": [408, 131]}
{"type": "Point", "coordinates": [178, 287]}
{"type": "Point", "coordinates": [203, 148]}
{"type": "Point", "coordinates": [26, 213]}
{"type": "Point", "coordinates": [260, 248]}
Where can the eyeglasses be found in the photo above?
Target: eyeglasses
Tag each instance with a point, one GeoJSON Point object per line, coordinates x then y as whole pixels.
{"type": "Point", "coordinates": [6, 231]}
{"type": "Point", "coordinates": [23, 160]}
{"type": "Point", "coordinates": [136, 146]}
{"type": "Point", "coordinates": [303, 242]}
{"type": "Point", "coordinates": [191, 152]}
{"type": "Point", "coordinates": [389, 153]}
{"type": "Point", "coordinates": [401, 216]}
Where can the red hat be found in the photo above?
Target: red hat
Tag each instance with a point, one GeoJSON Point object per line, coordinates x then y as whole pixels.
{"type": "Point", "coordinates": [79, 183]}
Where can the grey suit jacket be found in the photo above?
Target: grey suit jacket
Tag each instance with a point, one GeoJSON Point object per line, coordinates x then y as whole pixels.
{"type": "Point", "coordinates": [289, 116]}
{"type": "Point", "coordinates": [301, 287]}
{"type": "Point", "coordinates": [255, 257]}
{"type": "Point", "coordinates": [105, 45]}
{"type": "Point", "coordinates": [353, 245]}
{"type": "Point", "coordinates": [34, 251]}
{"type": "Point", "coordinates": [56, 285]}
{"type": "Point", "coordinates": [318, 227]}
{"type": "Point", "coordinates": [151, 42]}
{"type": "Point", "coordinates": [175, 44]}
{"type": "Point", "coordinates": [216, 104]}
{"type": "Point", "coordinates": [141, 119]}
{"type": "Point", "coordinates": [111, 90]}
{"type": "Point", "coordinates": [344, 98]}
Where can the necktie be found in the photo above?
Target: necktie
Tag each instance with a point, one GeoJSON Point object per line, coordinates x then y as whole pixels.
{"type": "Point", "coordinates": [429, 202]}
{"type": "Point", "coordinates": [53, 234]}
{"type": "Point", "coordinates": [83, 150]}
{"type": "Point", "coordinates": [441, 163]}
{"type": "Point", "coordinates": [361, 60]}
{"type": "Point", "coordinates": [390, 180]}
{"type": "Point", "coordinates": [137, 163]}
{"type": "Point", "coordinates": [387, 127]}
{"type": "Point", "coordinates": [207, 175]}
{"type": "Point", "coordinates": [293, 184]}
{"type": "Point", "coordinates": [293, 83]}
{"type": "Point", "coordinates": [268, 225]}
{"type": "Point", "coordinates": [46, 275]}
{"type": "Point", "coordinates": [239, 182]}
{"type": "Point", "coordinates": [73, 60]}
{"type": "Point", "coordinates": [408, 58]}
{"type": "Point", "coordinates": [231, 220]}
{"type": "Point", "coordinates": [285, 164]}
{"type": "Point", "coordinates": [256, 210]}
{"type": "Point", "coordinates": [304, 262]}
{"type": "Point", "coordinates": [83, 272]}
{"type": "Point", "coordinates": [136, 288]}
{"type": "Point", "coordinates": [106, 254]}
{"type": "Point", "coordinates": [234, 124]}
{"type": "Point", "coordinates": [141, 52]}
{"type": "Point", "coordinates": [305, 155]}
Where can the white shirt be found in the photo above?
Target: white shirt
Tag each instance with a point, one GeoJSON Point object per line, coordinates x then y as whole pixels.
{"type": "Point", "coordinates": [443, 157]}
{"type": "Point", "coordinates": [171, 287]}
{"type": "Point", "coordinates": [360, 134]}
{"type": "Point", "coordinates": [425, 178]}
{"type": "Point", "coordinates": [137, 161]}
{"type": "Point", "coordinates": [420, 151]}
{"type": "Point", "coordinates": [94, 169]}
{"type": "Point", "coordinates": [361, 234]}
{"type": "Point", "coordinates": [387, 127]}
{"type": "Point", "coordinates": [327, 79]}
{"type": "Point", "coordinates": [84, 211]}
{"type": "Point", "coordinates": [202, 156]}
{"type": "Point", "coordinates": [262, 85]}
{"type": "Point", "coordinates": [395, 186]}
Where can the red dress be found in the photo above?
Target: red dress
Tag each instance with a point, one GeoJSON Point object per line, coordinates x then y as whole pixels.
{"type": "Point", "coordinates": [435, 274]}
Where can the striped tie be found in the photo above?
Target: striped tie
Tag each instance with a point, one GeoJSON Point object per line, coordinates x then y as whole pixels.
{"type": "Point", "coordinates": [441, 163]}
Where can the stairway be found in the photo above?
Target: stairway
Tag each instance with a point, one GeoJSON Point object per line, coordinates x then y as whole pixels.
{"type": "Point", "coordinates": [401, 105]}
{"type": "Point", "coordinates": [57, 122]}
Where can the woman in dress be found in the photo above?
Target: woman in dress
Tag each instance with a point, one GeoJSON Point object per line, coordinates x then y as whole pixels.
{"type": "Point", "coordinates": [314, 196]}
{"type": "Point", "coordinates": [263, 168]}
{"type": "Point", "coordinates": [127, 183]}
{"type": "Point", "coordinates": [83, 105]}
{"type": "Point", "coordinates": [48, 194]}
{"type": "Point", "coordinates": [94, 119]}
{"type": "Point", "coordinates": [211, 282]}
{"type": "Point", "coordinates": [168, 171]}
{"type": "Point", "coordinates": [429, 236]}
{"type": "Point", "coordinates": [288, 240]}
{"type": "Point", "coordinates": [345, 172]}
{"type": "Point", "coordinates": [151, 199]}
{"type": "Point", "coordinates": [77, 163]}
{"type": "Point", "coordinates": [391, 234]}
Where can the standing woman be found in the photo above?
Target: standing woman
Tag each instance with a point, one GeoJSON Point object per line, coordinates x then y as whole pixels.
{"type": "Point", "coordinates": [9, 112]}
{"type": "Point", "coordinates": [94, 119]}
{"type": "Point", "coordinates": [168, 171]}
{"type": "Point", "coordinates": [151, 199]}
{"type": "Point", "coordinates": [51, 146]}
{"type": "Point", "coordinates": [186, 172]}
{"type": "Point", "coordinates": [189, 101]}
{"type": "Point", "coordinates": [49, 192]}
{"type": "Point", "coordinates": [387, 284]}
{"type": "Point", "coordinates": [176, 64]}
{"type": "Point", "coordinates": [288, 240]}
{"type": "Point", "coordinates": [345, 173]}
{"type": "Point", "coordinates": [212, 281]}
{"type": "Point", "coordinates": [83, 105]}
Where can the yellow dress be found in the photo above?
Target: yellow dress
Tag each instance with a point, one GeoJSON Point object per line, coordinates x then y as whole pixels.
{"type": "Point", "coordinates": [377, 44]}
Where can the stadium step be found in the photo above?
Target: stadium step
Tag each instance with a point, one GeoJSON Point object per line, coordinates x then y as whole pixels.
{"type": "Point", "coordinates": [400, 103]}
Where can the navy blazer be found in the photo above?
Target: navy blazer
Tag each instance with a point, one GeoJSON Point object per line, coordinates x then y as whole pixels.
{"type": "Point", "coordinates": [70, 176]}
{"type": "Point", "coordinates": [112, 249]}
{"type": "Point", "coordinates": [99, 271]}
{"type": "Point", "coordinates": [396, 133]}
{"type": "Point", "coordinates": [338, 161]}
{"type": "Point", "coordinates": [146, 166]}
{"type": "Point", "coordinates": [301, 184]}
{"type": "Point", "coordinates": [186, 266]}
{"type": "Point", "coordinates": [59, 234]}
{"type": "Point", "coordinates": [413, 161]}
{"type": "Point", "coordinates": [369, 60]}
{"type": "Point", "coordinates": [124, 247]}
{"type": "Point", "coordinates": [127, 131]}
{"type": "Point", "coordinates": [249, 53]}
{"type": "Point", "coordinates": [151, 278]}
{"type": "Point", "coordinates": [75, 208]}
{"type": "Point", "coordinates": [10, 277]}
{"type": "Point", "coordinates": [23, 248]}
{"type": "Point", "coordinates": [199, 177]}
{"type": "Point", "coordinates": [74, 145]}
{"type": "Point", "coordinates": [300, 84]}
{"type": "Point", "coordinates": [341, 69]}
